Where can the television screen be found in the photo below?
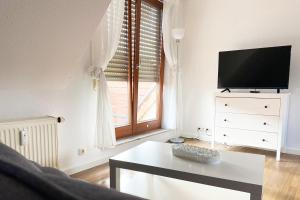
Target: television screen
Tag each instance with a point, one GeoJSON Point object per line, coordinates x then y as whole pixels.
{"type": "Point", "coordinates": [263, 68]}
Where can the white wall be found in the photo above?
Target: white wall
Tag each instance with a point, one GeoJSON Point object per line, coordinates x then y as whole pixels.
{"type": "Point", "coordinates": [42, 41]}
{"type": "Point", "coordinates": [44, 57]}
{"type": "Point", "coordinates": [77, 104]}
{"type": "Point", "coordinates": [43, 62]}
{"type": "Point", "coordinates": [216, 25]}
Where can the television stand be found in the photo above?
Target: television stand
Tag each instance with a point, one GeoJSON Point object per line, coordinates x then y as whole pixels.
{"type": "Point", "coordinates": [245, 129]}
{"type": "Point", "coordinates": [226, 89]}
{"type": "Point", "coordinates": [254, 91]}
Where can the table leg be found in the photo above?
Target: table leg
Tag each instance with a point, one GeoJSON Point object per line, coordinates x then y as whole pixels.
{"type": "Point", "coordinates": [256, 195]}
{"type": "Point", "coordinates": [115, 178]}
{"type": "Point", "coordinates": [278, 155]}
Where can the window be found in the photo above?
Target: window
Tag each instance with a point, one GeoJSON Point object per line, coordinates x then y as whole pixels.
{"type": "Point", "coordinates": [135, 73]}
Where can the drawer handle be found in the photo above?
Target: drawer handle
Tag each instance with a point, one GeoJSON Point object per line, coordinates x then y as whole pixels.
{"type": "Point", "coordinates": [224, 135]}
{"type": "Point", "coordinates": [226, 104]}
{"type": "Point", "coordinates": [265, 123]}
{"type": "Point", "coordinates": [225, 120]}
{"type": "Point", "coordinates": [263, 140]}
{"type": "Point", "coordinates": [266, 106]}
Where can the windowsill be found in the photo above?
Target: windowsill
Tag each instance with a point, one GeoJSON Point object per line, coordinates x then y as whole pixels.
{"type": "Point", "coordinates": [139, 137]}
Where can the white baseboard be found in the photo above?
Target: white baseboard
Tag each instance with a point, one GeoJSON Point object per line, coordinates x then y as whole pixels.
{"type": "Point", "coordinates": [83, 167]}
{"type": "Point", "coordinates": [294, 151]}
{"type": "Point", "coordinates": [205, 138]}
{"type": "Point", "coordinates": [160, 135]}
{"type": "Point", "coordinates": [287, 150]}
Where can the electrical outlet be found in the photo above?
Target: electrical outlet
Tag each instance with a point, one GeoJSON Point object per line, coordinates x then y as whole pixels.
{"type": "Point", "coordinates": [81, 151]}
{"type": "Point", "coordinates": [203, 132]}
{"type": "Point", "coordinates": [198, 133]}
{"type": "Point", "coordinates": [208, 131]}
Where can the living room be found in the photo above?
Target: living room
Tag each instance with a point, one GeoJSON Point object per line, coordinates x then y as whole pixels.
{"type": "Point", "coordinates": [86, 81]}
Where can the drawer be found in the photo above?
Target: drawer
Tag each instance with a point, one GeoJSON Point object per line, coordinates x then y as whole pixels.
{"type": "Point", "coordinates": [246, 138]}
{"type": "Point", "coordinates": [248, 122]}
{"type": "Point", "coordinates": [256, 106]}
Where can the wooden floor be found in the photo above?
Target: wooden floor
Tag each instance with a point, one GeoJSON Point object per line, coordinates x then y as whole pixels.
{"type": "Point", "coordinates": [281, 179]}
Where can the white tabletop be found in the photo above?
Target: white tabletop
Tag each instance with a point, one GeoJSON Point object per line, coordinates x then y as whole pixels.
{"type": "Point", "coordinates": [235, 166]}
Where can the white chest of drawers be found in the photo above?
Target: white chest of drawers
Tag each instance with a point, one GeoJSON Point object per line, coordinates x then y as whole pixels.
{"type": "Point", "coordinates": [255, 120]}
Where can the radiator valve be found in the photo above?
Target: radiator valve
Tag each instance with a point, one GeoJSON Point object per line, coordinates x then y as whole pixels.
{"type": "Point", "coordinates": [23, 137]}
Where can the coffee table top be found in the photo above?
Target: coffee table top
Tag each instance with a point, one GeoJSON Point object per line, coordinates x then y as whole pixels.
{"type": "Point", "coordinates": [235, 166]}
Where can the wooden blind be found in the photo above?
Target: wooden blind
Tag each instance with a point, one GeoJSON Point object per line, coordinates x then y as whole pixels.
{"type": "Point", "coordinates": [117, 69]}
{"type": "Point", "coordinates": [150, 43]}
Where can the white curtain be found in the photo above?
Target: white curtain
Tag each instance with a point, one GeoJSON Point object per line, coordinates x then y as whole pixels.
{"type": "Point", "coordinates": [103, 47]}
{"type": "Point", "coordinates": [172, 109]}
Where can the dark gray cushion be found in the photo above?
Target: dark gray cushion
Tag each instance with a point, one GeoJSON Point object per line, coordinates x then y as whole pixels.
{"type": "Point", "coordinates": [23, 179]}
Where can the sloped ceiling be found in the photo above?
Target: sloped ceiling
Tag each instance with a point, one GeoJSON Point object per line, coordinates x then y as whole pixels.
{"type": "Point", "coordinates": [41, 41]}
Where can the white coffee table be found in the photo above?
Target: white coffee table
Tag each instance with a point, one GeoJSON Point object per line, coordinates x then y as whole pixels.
{"type": "Point", "coordinates": [237, 171]}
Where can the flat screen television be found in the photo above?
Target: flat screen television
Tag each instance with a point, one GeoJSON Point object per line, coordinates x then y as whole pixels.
{"type": "Point", "coordinates": [262, 68]}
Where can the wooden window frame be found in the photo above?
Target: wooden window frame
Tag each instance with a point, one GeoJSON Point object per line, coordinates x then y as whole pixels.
{"type": "Point", "coordinates": [135, 128]}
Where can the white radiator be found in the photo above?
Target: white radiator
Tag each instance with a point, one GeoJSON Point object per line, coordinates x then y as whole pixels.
{"type": "Point", "coordinates": [39, 138]}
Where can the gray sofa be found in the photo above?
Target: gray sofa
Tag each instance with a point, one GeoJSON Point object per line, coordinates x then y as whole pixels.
{"type": "Point", "coordinates": [24, 179]}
